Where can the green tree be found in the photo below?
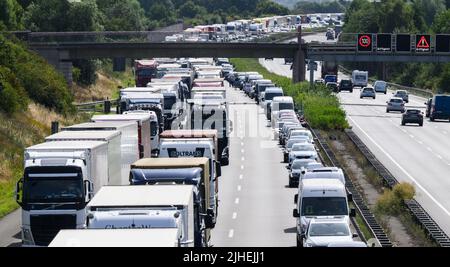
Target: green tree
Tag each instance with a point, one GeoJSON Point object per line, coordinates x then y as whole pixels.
{"type": "Point", "coordinates": [47, 15]}
{"type": "Point", "coordinates": [191, 10]}
{"type": "Point", "coordinates": [270, 8]}
{"type": "Point", "coordinates": [11, 14]}
{"type": "Point", "coordinates": [442, 22]}
{"type": "Point", "coordinates": [160, 13]}
{"type": "Point", "coordinates": [84, 16]}
{"type": "Point", "coordinates": [122, 15]}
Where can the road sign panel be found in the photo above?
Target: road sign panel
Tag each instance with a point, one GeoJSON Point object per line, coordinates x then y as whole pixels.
{"type": "Point", "coordinates": [384, 42]}
{"type": "Point", "coordinates": [403, 43]}
{"type": "Point", "coordinates": [364, 42]}
{"type": "Point", "coordinates": [442, 43]}
{"type": "Point", "coordinates": [423, 43]}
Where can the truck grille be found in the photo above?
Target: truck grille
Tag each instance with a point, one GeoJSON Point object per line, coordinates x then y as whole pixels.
{"type": "Point", "coordinates": [45, 227]}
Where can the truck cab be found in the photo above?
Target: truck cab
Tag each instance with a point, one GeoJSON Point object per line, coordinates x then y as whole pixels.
{"type": "Point", "coordinates": [144, 71]}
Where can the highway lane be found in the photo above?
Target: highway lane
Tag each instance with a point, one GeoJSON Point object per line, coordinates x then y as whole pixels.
{"type": "Point", "coordinates": [419, 155]}
{"type": "Point", "coordinates": [255, 203]}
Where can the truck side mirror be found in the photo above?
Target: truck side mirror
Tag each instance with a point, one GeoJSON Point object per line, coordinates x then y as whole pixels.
{"type": "Point", "coordinates": [19, 187]}
{"type": "Point", "coordinates": [295, 213]}
{"type": "Point", "coordinates": [218, 169]}
{"type": "Point", "coordinates": [296, 198]}
{"type": "Point", "coordinates": [88, 190]}
{"type": "Point", "coordinates": [352, 212]}
{"type": "Point", "coordinates": [350, 197]}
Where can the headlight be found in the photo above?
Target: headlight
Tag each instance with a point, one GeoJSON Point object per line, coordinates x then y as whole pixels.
{"type": "Point", "coordinates": [309, 245]}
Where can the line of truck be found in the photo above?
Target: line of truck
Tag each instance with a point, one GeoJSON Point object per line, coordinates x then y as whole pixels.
{"type": "Point", "coordinates": [129, 173]}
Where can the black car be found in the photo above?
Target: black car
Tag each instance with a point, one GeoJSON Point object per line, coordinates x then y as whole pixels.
{"type": "Point", "coordinates": [346, 85]}
{"type": "Point", "coordinates": [412, 116]}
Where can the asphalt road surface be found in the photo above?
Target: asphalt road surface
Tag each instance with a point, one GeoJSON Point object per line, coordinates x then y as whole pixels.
{"type": "Point", "coordinates": [418, 155]}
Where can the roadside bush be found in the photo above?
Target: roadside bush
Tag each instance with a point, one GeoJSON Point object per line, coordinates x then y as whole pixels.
{"type": "Point", "coordinates": [41, 81]}
{"type": "Point", "coordinates": [12, 96]}
{"type": "Point", "coordinates": [391, 202]}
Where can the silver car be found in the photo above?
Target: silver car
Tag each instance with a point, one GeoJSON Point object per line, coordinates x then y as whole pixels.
{"type": "Point", "coordinates": [395, 104]}
{"type": "Point", "coordinates": [402, 94]}
{"type": "Point", "coordinates": [368, 92]}
{"type": "Point", "coordinates": [323, 231]}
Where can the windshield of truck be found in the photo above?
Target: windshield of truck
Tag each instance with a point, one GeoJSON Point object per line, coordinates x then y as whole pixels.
{"type": "Point", "coordinates": [145, 72]}
{"type": "Point", "coordinates": [324, 206]}
{"type": "Point", "coordinates": [270, 95]}
{"type": "Point", "coordinates": [360, 77]}
{"type": "Point", "coordinates": [52, 187]}
{"type": "Point", "coordinates": [329, 229]}
{"type": "Point", "coordinates": [169, 102]}
{"type": "Point", "coordinates": [282, 106]}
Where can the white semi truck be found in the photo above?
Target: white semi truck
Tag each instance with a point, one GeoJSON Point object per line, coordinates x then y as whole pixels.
{"type": "Point", "coordinates": [117, 238]}
{"type": "Point", "coordinates": [129, 142]}
{"type": "Point", "coordinates": [59, 179]}
{"type": "Point", "coordinates": [117, 173]}
{"type": "Point", "coordinates": [144, 128]}
{"type": "Point", "coordinates": [156, 206]}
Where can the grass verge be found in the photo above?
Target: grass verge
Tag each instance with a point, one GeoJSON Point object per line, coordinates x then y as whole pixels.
{"type": "Point", "coordinates": [319, 105]}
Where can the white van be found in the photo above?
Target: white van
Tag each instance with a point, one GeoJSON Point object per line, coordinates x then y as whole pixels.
{"type": "Point", "coordinates": [280, 103]}
{"type": "Point", "coordinates": [325, 173]}
{"type": "Point", "coordinates": [269, 94]}
{"type": "Point", "coordinates": [360, 78]}
{"type": "Point", "coordinates": [320, 198]}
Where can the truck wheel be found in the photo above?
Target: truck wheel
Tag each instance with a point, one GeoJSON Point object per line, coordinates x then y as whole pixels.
{"type": "Point", "coordinates": [421, 124]}
{"type": "Point", "coordinates": [299, 242]}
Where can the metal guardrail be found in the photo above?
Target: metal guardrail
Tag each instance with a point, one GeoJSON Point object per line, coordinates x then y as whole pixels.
{"type": "Point", "coordinates": [92, 106]}
{"type": "Point", "coordinates": [421, 216]}
{"type": "Point", "coordinates": [375, 105]}
{"type": "Point", "coordinates": [358, 201]}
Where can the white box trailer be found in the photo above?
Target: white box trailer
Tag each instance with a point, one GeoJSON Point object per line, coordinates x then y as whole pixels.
{"type": "Point", "coordinates": [59, 180]}
{"type": "Point", "coordinates": [175, 198]}
{"type": "Point", "coordinates": [117, 174]}
{"type": "Point", "coordinates": [129, 142]}
{"type": "Point", "coordinates": [116, 238]}
{"type": "Point", "coordinates": [144, 128]}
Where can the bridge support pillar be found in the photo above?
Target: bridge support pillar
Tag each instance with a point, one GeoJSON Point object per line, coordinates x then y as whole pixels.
{"type": "Point", "coordinates": [382, 71]}
{"type": "Point", "coordinates": [298, 65]}
{"type": "Point", "coordinates": [59, 60]}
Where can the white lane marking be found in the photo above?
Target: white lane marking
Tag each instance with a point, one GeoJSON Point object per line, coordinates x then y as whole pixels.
{"type": "Point", "coordinates": [402, 169]}
{"type": "Point", "coordinates": [239, 188]}
{"type": "Point", "coordinates": [412, 136]}
{"type": "Point", "coordinates": [241, 177]}
{"type": "Point", "coordinates": [438, 156]}
{"type": "Point", "coordinates": [234, 216]}
{"type": "Point", "coordinates": [444, 132]}
{"type": "Point", "coordinates": [242, 167]}
{"type": "Point", "coordinates": [242, 143]}
{"type": "Point", "coordinates": [242, 158]}
{"type": "Point", "coordinates": [242, 150]}
{"type": "Point", "coordinates": [429, 149]}
{"type": "Point", "coordinates": [403, 130]}
{"type": "Point", "coordinates": [420, 142]}
{"type": "Point", "coordinates": [231, 233]}
{"type": "Point", "coordinates": [236, 201]}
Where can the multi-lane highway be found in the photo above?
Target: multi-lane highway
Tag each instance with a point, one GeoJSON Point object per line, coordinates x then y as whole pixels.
{"type": "Point", "coordinates": [418, 155]}
{"type": "Point", "coordinates": [255, 202]}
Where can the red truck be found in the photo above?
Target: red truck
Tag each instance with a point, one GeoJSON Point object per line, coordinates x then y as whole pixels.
{"type": "Point", "coordinates": [144, 71]}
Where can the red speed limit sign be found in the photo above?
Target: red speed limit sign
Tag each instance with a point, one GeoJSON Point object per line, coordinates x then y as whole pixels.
{"type": "Point", "coordinates": [364, 42]}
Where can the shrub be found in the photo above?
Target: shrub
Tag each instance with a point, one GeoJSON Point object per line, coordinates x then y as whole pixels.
{"type": "Point", "coordinates": [391, 202]}
{"type": "Point", "coordinates": [12, 96]}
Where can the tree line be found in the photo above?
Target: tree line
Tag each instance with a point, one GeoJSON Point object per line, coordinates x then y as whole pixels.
{"type": "Point", "coordinates": [404, 16]}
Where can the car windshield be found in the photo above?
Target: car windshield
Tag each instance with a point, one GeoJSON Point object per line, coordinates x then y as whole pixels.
{"type": "Point", "coordinates": [401, 93]}
{"type": "Point", "coordinates": [324, 206]}
{"type": "Point", "coordinates": [413, 111]}
{"type": "Point", "coordinates": [296, 141]}
{"type": "Point", "coordinates": [270, 96]}
{"type": "Point", "coordinates": [380, 85]}
{"type": "Point", "coordinates": [368, 90]}
{"type": "Point", "coordinates": [329, 229]}
{"type": "Point", "coordinates": [298, 164]}
{"type": "Point", "coordinates": [345, 82]}
{"type": "Point", "coordinates": [302, 147]}
{"type": "Point", "coordinates": [295, 133]}
{"type": "Point", "coordinates": [396, 101]}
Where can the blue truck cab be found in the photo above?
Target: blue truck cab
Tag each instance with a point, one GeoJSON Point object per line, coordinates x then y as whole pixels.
{"type": "Point", "coordinates": [440, 107]}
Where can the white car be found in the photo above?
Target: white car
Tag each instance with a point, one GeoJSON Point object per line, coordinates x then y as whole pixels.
{"type": "Point", "coordinates": [302, 151]}
{"type": "Point", "coordinates": [321, 232]}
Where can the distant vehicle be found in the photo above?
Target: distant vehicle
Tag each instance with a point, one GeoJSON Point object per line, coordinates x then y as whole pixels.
{"type": "Point", "coordinates": [440, 107]}
{"type": "Point", "coordinates": [402, 94]}
{"type": "Point", "coordinates": [289, 144]}
{"type": "Point", "coordinates": [360, 78]}
{"type": "Point", "coordinates": [380, 86]}
{"type": "Point", "coordinates": [144, 71]}
{"type": "Point", "coordinates": [329, 68]}
{"type": "Point", "coordinates": [325, 173]}
{"type": "Point", "coordinates": [412, 116]}
{"type": "Point", "coordinates": [319, 81]}
{"type": "Point", "coordinates": [295, 170]}
{"type": "Point", "coordinates": [367, 92]}
{"type": "Point", "coordinates": [269, 94]}
{"type": "Point", "coordinates": [302, 151]}
{"type": "Point", "coordinates": [346, 85]}
{"type": "Point", "coordinates": [395, 104]}
{"type": "Point", "coordinates": [330, 78]}
{"type": "Point", "coordinates": [322, 231]}
{"type": "Point", "coordinates": [333, 86]}
{"type": "Point", "coordinates": [330, 35]}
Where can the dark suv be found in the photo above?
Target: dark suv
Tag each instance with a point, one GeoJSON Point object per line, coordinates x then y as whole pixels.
{"type": "Point", "coordinates": [412, 116]}
{"type": "Point", "coordinates": [346, 85]}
